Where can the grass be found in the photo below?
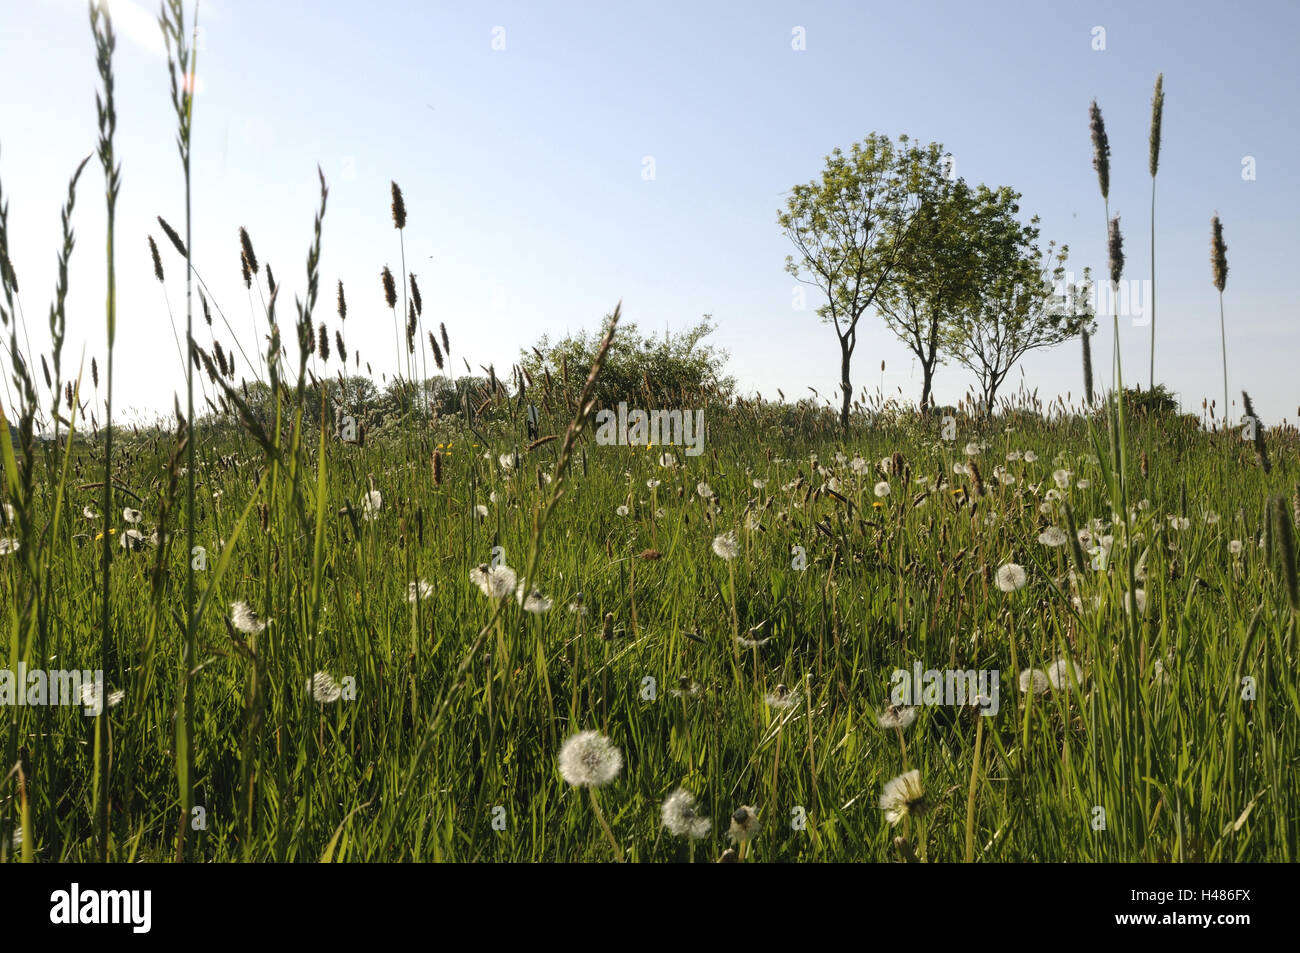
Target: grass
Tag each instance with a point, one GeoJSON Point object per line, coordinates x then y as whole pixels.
{"type": "Point", "coordinates": [278, 775]}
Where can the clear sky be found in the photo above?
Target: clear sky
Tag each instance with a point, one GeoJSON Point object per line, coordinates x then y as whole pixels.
{"type": "Point", "coordinates": [524, 168]}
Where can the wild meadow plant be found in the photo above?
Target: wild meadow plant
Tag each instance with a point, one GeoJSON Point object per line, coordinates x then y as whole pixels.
{"type": "Point", "coordinates": [105, 42]}
{"type": "Point", "coordinates": [1219, 270]}
{"type": "Point", "coordinates": [182, 64]}
{"type": "Point", "coordinates": [1153, 164]}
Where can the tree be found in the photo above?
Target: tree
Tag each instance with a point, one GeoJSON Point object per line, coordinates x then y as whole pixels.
{"type": "Point", "coordinates": [848, 228]}
{"type": "Point", "coordinates": [665, 369]}
{"type": "Point", "coordinates": [1020, 301]}
{"type": "Point", "coordinates": [933, 277]}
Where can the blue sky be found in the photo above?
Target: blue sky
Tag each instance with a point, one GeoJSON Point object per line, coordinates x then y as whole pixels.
{"type": "Point", "coordinates": [522, 167]}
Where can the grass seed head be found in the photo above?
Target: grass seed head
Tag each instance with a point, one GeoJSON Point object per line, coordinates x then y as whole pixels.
{"type": "Point", "coordinates": [1218, 254]}
{"type": "Point", "coordinates": [157, 262]}
{"type": "Point", "coordinates": [1100, 148]}
{"type": "Point", "coordinates": [1157, 114]}
{"type": "Point", "coordinates": [172, 236]}
{"type": "Point", "coordinates": [248, 258]}
{"type": "Point", "coordinates": [390, 287]}
{"type": "Point", "coordinates": [399, 208]}
{"type": "Point", "coordinates": [1115, 247]}
{"type": "Point", "coordinates": [415, 297]}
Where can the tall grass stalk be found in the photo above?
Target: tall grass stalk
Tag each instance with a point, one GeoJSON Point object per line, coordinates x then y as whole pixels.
{"type": "Point", "coordinates": [101, 25]}
{"type": "Point", "coordinates": [1157, 118]}
{"type": "Point", "coordinates": [182, 62]}
{"type": "Point", "coordinates": [1219, 267]}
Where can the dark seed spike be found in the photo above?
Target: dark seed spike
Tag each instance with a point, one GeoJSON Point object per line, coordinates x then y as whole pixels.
{"type": "Point", "coordinates": [399, 208]}
{"type": "Point", "coordinates": [1218, 254]}
{"type": "Point", "coordinates": [157, 261]}
{"type": "Point", "coordinates": [172, 236]}
{"type": "Point", "coordinates": [390, 287]}
{"type": "Point", "coordinates": [415, 296]}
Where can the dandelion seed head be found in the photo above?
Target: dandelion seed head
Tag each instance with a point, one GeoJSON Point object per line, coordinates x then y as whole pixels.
{"type": "Point", "coordinates": [897, 717]}
{"type": "Point", "coordinates": [726, 546]}
{"type": "Point", "coordinates": [494, 581]}
{"type": "Point", "coordinates": [680, 816]}
{"type": "Point", "coordinates": [1011, 577]}
{"type": "Point", "coordinates": [243, 618]}
{"type": "Point", "coordinates": [534, 602]}
{"type": "Point", "coordinates": [92, 693]}
{"type": "Point", "coordinates": [902, 796]}
{"type": "Point", "coordinates": [1053, 536]}
{"type": "Point", "coordinates": [1058, 673]}
{"type": "Point", "coordinates": [745, 824]}
{"type": "Point", "coordinates": [132, 539]}
{"type": "Point", "coordinates": [324, 689]}
{"type": "Point", "coordinates": [1033, 680]}
{"type": "Point", "coordinates": [589, 759]}
{"type": "Point", "coordinates": [782, 698]}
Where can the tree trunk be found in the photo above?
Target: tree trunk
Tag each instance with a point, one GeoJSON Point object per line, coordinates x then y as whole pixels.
{"type": "Point", "coordinates": [927, 380]}
{"type": "Point", "coordinates": [990, 395]}
{"type": "Point", "coordinates": [845, 385]}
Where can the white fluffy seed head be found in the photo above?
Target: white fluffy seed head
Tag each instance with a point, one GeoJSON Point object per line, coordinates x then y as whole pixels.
{"type": "Point", "coordinates": [535, 601]}
{"type": "Point", "coordinates": [324, 689]}
{"type": "Point", "coordinates": [897, 716]}
{"type": "Point", "coordinates": [1033, 680]}
{"type": "Point", "coordinates": [680, 816]}
{"type": "Point", "coordinates": [902, 796]}
{"type": "Point", "coordinates": [1053, 536]}
{"type": "Point", "coordinates": [727, 545]}
{"type": "Point", "coordinates": [589, 759]}
{"type": "Point", "coordinates": [745, 824]}
{"type": "Point", "coordinates": [243, 618]}
{"type": "Point", "coordinates": [1011, 576]}
{"type": "Point", "coordinates": [494, 581]}
{"type": "Point", "coordinates": [1059, 674]}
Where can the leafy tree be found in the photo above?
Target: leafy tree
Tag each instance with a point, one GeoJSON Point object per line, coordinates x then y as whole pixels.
{"type": "Point", "coordinates": [662, 371]}
{"type": "Point", "coordinates": [1156, 401]}
{"type": "Point", "coordinates": [934, 275]}
{"type": "Point", "coordinates": [848, 228]}
{"type": "Point", "coordinates": [1020, 301]}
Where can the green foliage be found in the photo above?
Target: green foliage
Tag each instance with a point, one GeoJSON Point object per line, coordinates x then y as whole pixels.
{"type": "Point", "coordinates": [1019, 300]}
{"type": "Point", "coordinates": [677, 369]}
{"type": "Point", "coordinates": [848, 228]}
{"type": "Point", "coordinates": [1155, 401]}
{"type": "Point", "coordinates": [884, 586]}
{"type": "Point", "coordinates": [935, 278]}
